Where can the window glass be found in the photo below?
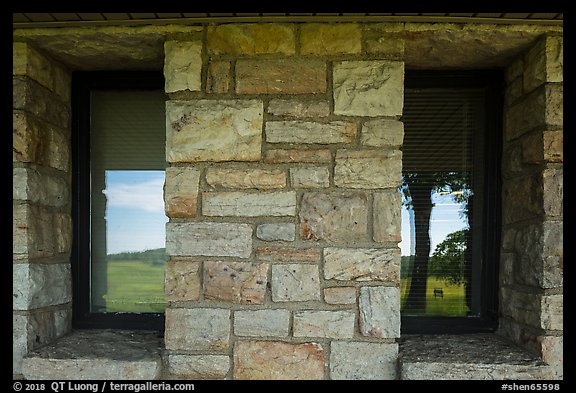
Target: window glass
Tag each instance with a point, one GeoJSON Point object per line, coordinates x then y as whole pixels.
{"type": "Point", "coordinates": [127, 222]}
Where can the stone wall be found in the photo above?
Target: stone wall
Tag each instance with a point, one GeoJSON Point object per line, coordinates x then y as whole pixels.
{"type": "Point", "coordinates": [531, 276]}
{"type": "Point", "coordinates": [42, 225]}
{"type": "Point", "coordinates": [283, 145]}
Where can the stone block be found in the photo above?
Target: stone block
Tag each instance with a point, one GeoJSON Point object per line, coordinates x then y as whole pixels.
{"type": "Point", "coordinates": [539, 311]}
{"type": "Point", "coordinates": [544, 62]}
{"type": "Point", "coordinates": [340, 295]}
{"type": "Point", "coordinates": [543, 147]}
{"type": "Point", "coordinates": [182, 280]}
{"type": "Point", "coordinates": [334, 217]}
{"type": "Point", "coordinates": [362, 360]}
{"type": "Point", "coordinates": [251, 39]}
{"type": "Point", "coordinates": [213, 130]}
{"type": "Point", "coordinates": [181, 191]}
{"type": "Point", "coordinates": [383, 42]}
{"type": "Point", "coordinates": [198, 366]}
{"type": "Point", "coordinates": [368, 88]}
{"type": "Point", "coordinates": [208, 239]}
{"type": "Point", "coordinates": [382, 133]}
{"type": "Point", "coordinates": [286, 76]}
{"type": "Point", "coordinates": [287, 156]}
{"type": "Point", "coordinates": [329, 40]}
{"type": "Point", "coordinates": [262, 323]}
{"type": "Point", "coordinates": [27, 61]}
{"type": "Point", "coordinates": [310, 177]}
{"type": "Point", "coordinates": [236, 282]}
{"type": "Point", "coordinates": [362, 264]}
{"type": "Point", "coordinates": [197, 329]}
{"type": "Point", "coordinates": [522, 198]}
{"type": "Point", "coordinates": [280, 254]}
{"type": "Point", "coordinates": [325, 324]}
{"type": "Point", "coordinates": [553, 193]}
{"type": "Point", "coordinates": [218, 77]}
{"type": "Point", "coordinates": [307, 132]}
{"type": "Point", "coordinates": [39, 187]}
{"type": "Point", "coordinates": [379, 309]}
{"type": "Point", "coordinates": [295, 283]}
{"type": "Point", "coordinates": [182, 65]}
{"type": "Point", "coordinates": [245, 204]}
{"type": "Point", "coordinates": [387, 220]}
{"type": "Point", "coordinates": [371, 169]}
{"type": "Point", "coordinates": [298, 108]}
{"type": "Point", "coordinates": [262, 179]}
{"type": "Point", "coordinates": [276, 231]}
{"type": "Point", "coordinates": [40, 285]}
{"type": "Point", "coordinates": [276, 360]}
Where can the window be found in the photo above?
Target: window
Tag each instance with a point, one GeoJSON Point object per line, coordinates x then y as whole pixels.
{"type": "Point", "coordinates": [450, 195]}
{"type": "Point", "coordinates": [119, 220]}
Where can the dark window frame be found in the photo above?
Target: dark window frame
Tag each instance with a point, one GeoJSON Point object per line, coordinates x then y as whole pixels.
{"type": "Point", "coordinates": [83, 83]}
{"type": "Point", "coordinates": [493, 83]}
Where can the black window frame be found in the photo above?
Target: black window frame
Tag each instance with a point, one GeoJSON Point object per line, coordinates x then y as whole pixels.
{"type": "Point", "coordinates": [83, 83]}
{"type": "Point", "coordinates": [493, 83]}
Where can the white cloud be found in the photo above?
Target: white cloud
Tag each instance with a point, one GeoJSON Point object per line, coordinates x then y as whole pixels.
{"type": "Point", "coordinates": [147, 196]}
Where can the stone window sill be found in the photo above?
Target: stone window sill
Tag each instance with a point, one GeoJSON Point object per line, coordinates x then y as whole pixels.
{"type": "Point", "coordinates": [470, 356]}
{"type": "Point", "coordinates": [97, 354]}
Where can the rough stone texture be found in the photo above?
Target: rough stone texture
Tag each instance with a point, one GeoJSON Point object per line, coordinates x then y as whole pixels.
{"type": "Point", "coordinates": [368, 169]}
{"type": "Point", "coordinates": [274, 254]}
{"type": "Point", "coordinates": [34, 141]}
{"type": "Point", "coordinates": [273, 360]}
{"type": "Point", "coordinates": [201, 329]}
{"type": "Point", "coordinates": [97, 354]}
{"type": "Point", "coordinates": [553, 194]}
{"type": "Point", "coordinates": [243, 204]}
{"type": "Point", "coordinates": [542, 147]}
{"type": "Point", "coordinates": [182, 65]}
{"type": "Point", "coordinates": [544, 62]}
{"type": "Point", "coordinates": [286, 76]}
{"type": "Point", "coordinates": [362, 360]}
{"type": "Point", "coordinates": [282, 156]}
{"type": "Point", "coordinates": [181, 191]}
{"type": "Point", "coordinates": [295, 283]}
{"type": "Point", "coordinates": [262, 323]}
{"type": "Point", "coordinates": [387, 220]}
{"type": "Point", "coordinates": [310, 177]}
{"type": "Point", "coordinates": [276, 231]}
{"type": "Point", "coordinates": [182, 280]}
{"type": "Point", "coordinates": [198, 366]}
{"type": "Point", "coordinates": [251, 39]}
{"type": "Point", "coordinates": [382, 133]}
{"type": "Point", "coordinates": [340, 295]}
{"type": "Point", "coordinates": [324, 39]}
{"type": "Point", "coordinates": [40, 285]}
{"type": "Point", "coordinates": [297, 108]}
{"type": "Point", "coordinates": [208, 239]}
{"type": "Point", "coordinates": [341, 217]}
{"type": "Point", "coordinates": [368, 88]}
{"type": "Point", "coordinates": [384, 41]}
{"type": "Point", "coordinates": [237, 282]}
{"type": "Point", "coordinates": [38, 187]}
{"type": "Point", "coordinates": [262, 179]}
{"type": "Point", "coordinates": [40, 102]}
{"type": "Point", "coordinates": [35, 329]}
{"type": "Point", "coordinates": [472, 356]}
{"type": "Point", "coordinates": [213, 130]}
{"type": "Point", "coordinates": [218, 78]}
{"type": "Point", "coordinates": [308, 132]}
{"type": "Point", "coordinates": [379, 311]}
{"type": "Point", "coordinates": [362, 264]}
{"type": "Point", "coordinates": [326, 324]}
{"type": "Point", "coordinates": [522, 198]}
{"type": "Point", "coordinates": [541, 311]}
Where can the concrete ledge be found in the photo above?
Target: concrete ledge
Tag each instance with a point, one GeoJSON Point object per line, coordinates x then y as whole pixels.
{"type": "Point", "coordinates": [97, 354]}
{"type": "Point", "coordinates": [471, 356]}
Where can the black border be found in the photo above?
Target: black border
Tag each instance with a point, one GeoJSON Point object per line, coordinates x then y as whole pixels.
{"type": "Point", "coordinates": [83, 82]}
{"type": "Point", "coordinates": [493, 83]}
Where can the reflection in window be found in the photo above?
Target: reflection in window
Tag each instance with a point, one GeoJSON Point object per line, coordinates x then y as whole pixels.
{"type": "Point", "coordinates": [440, 187]}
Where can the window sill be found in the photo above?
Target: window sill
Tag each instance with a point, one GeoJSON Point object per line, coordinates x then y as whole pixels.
{"type": "Point", "coordinates": [97, 354]}
{"type": "Point", "coordinates": [469, 356]}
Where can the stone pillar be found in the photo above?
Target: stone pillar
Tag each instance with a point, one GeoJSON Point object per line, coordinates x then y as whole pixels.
{"type": "Point", "coordinates": [283, 145]}
{"type": "Point", "coordinates": [531, 276]}
{"type": "Point", "coordinates": [42, 225]}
